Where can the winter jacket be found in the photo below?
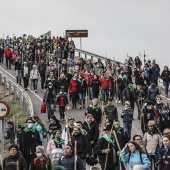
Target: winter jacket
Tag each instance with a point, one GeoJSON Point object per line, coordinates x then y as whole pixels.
{"type": "Point", "coordinates": [111, 112]}
{"type": "Point", "coordinates": [18, 64]}
{"type": "Point", "coordinates": [40, 130]}
{"type": "Point", "coordinates": [152, 93]}
{"type": "Point", "coordinates": [55, 126]}
{"type": "Point", "coordinates": [25, 75]}
{"type": "Point", "coordinates": [53, 81]}
{"type": "Point", "coordinates": [10, 135]}
{"type": "Point", "coordinates": [69, 77]}
{"type": "Point", "coordinates": [11, 159]}
{"type": "Point", "coordinates": [164, 156]}
{"type": "Point", "coordinates": [154, 74]}
{"type": "Point", "coordinates": [134, 158]}
{"type": "Point", "coordinates": [51, 145]}
{"type": "Point", "coordinates": [46, 98]}
{"type": "Point", "coordinates": [105, 83]}
{"type": "Point", "coordinates": [42, 68]}
{"type": "Point", "coordinates": [41, 165]}
{"type": "Point", "coordinates": [144, 81]}
{"type": "Point", "coordinates": [102, 144]}
{"type": "Point", "coordinates": [8, 53]}
{"type": "Point", "coordinates": [73, 86]}
{"type": "Point", "coordinates": [165, 76]}
{"type": "Point", "coordinates": [122, 137]}
{"type": "Point", "coordinates": [137, 74]}
{"type": "Point", "coordinates": [96, 85]}
{"type": "Point", "coordinates": [34, 74]}
{"type": "Point", "coordinates": [83, 147]}
{"type": "Point", "coordinates": [81, 86]}
{"type": "Point", "coordinates": [1, 50]}
{"type": "Point", "coordinates": [29, 142]}
{"type": "Point", "coordinates": [122, 81]}
{"type": "Point", "coordinates": [130, 94]}
{"type": "Point", "coordinates": [151, 142]}
{"type": "Point", "coordinates": [164, 120]}
{"type": "Point", "coordinates": [62, 83]}
{"type": "Point", "coordinates": [128, 115]}
{"type": "Point", "coordinates": [95, 112]}
{"type": "Point", "coordinates": [63, 96]}
{"type": "Point", "coordinates": [145, 117]}
{"type": "Point", "coordinates": [92, 130]}
{"type": "Point", "coordinates": [67, 162]}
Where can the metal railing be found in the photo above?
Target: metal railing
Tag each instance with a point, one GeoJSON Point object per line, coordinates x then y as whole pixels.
{"type": "Point", "coordinates": [17, 92]}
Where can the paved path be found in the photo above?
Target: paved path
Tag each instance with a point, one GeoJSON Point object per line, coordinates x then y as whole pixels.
{"type": "Point", "coordinates": [76, 113]}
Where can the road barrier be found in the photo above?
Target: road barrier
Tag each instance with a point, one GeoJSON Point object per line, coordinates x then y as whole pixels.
{"type": "Point", "coordinates": [17, 92]}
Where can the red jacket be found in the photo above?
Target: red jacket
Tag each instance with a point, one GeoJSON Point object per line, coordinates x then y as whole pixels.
{"type": "Point", "coordinates": [105, 83]}
{"type": "Point", "coordinates": [73, 86]}
{"type": "Point", "coordinates": [7, 53]}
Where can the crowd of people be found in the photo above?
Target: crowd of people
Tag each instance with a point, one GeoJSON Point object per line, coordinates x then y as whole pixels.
{"type": "Point", "coordinates": [75, 83]}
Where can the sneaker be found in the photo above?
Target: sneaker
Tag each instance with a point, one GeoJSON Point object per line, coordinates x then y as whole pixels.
{"type": "Point", "coordinates": [116, 101]}
{"type": "Point", "coordinates": [75, 107]}
{"type": "Point", "coordinates": [35, 91]}
{"type": "Point", "coordinates": [119, 101]}
{"type": "Point", "coordinates": [80, 108]}
{"type": "Point", "coordinates": [84, 107]}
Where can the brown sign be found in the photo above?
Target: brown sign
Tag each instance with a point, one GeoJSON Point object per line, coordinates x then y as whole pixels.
{"type": "Point", "coordinates": [77, 33]}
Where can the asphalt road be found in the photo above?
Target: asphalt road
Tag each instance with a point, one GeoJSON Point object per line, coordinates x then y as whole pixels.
{"type": "Point", "coordinates": [76, 113]}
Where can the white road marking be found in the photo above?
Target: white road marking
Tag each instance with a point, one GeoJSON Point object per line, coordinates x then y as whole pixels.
{"type": "Point", "coordinates": [27, 88]}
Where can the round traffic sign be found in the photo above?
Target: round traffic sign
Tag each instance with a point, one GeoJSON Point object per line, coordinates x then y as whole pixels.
{"type": "Point", "coordinates": [4, 109]}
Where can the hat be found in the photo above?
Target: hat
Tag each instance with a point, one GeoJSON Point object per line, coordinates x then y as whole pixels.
{"type": "Point", "coordinates": [149, 103]}
{"type": "Point", "coordinates": [70, 118]}
{"type": "Point", "coordinates": [151, 123]}
{"type": "Point", "coordinates": [13, 146]}
{"type": "Point", "coordinates": [127, 102]}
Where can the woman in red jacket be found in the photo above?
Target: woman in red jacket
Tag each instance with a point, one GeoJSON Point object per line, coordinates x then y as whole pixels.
{"type": "Point", "coordinates": [73, 91]}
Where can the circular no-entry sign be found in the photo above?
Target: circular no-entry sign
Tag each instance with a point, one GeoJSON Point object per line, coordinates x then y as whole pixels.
{"type": "Point", "coordinates": [4, 109]}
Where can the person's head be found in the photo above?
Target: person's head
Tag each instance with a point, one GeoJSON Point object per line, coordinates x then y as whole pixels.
{"type": "Point", "coordinates": [166, 141]}
{"type": "Point", "coordinates": [61, 90]}
{"type": "Point", "coordinates": [137, 138]}
{"type": "Point", "coordinates": [34, 67]}
{"type": "Point", "coordinates": [10, 124]}
{"type": "Point", "coordinates": [19, 128]}
{"type": "Point", "coordinates": [79, 124]}
{"type": "Point", "coordinates": [89, 118]}
{"type": "Point", "coordinates": [39, 151]}
{"type": "Point", "coordinates": [53, 119]}
{"type": "Point", "coordinates": [108, 122]}
{"type": "Point", "coordinates": [51, 74]}
{"type": "Point", "coordinates": [142, 74]}
{"type": "Point", "coordinates": [149, 105]}
{"type": "Point", "coordinates": [126, 104]}
{"type": "Point", "coordinates": [76, 131]}
{"type": "Point", "coordinates": [158, 99]}
{"type": "Point", "coordinates": [109, 101]}
{"type": "Point", "coordinates": [151, 126]}
{"type": "Point", "coordinates": [166, 131]}
{"type": "Point", "coordinates": [70, 69]}
{"type": "Point", "coordinates": [62, 76]}
{"type": "Point", "coordinates": [50, 85]}
{"type": "Point", "coordinates": [42, 60]}
{"type": "Point", "coordinates": [25, 63]}
{"type": "Point", "coordinates": [95, 77]}
{"type": "Point", "coordinates": [68, 150]}
{"type": "Point", "coordinates": [38, 120]}
{"type": "Point", "coordinates": [71, 121]}
{"type": "Point", "coordinates": [30, 122]}
{"type": "Point", "coordinates": [57, 134]}
{"type": "Point", "coordinates": [95, 102]}
{"type": "Point", "coordinates": [133, 146]}
{"type": "Point", "coordinates": [80, 76]}
{"type": "Point", "coordinates": [116, 123]}
{"type": "Point", "coordinates": [13, 149]}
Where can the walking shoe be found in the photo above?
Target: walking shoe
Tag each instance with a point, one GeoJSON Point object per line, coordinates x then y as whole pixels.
{"type": "Point", "coordinates": [119, 101]}
{"type": "Point", "coordinates": [80, 108]}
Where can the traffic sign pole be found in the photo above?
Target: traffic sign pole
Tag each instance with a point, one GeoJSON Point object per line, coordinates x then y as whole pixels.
{"type": "Point", "coordinates": [2, 138]}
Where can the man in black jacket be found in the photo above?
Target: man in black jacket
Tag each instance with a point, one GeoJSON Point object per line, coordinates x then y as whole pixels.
{"type": "Point", "coordinates": [29, 141]}
{"type": "Point", "coordinates": [95, 111]}
{"type": "Point", "coordinates": [122, 137]}
{"type": "Point", "coordinates": [106, 148]}
{"type": "Point", "coordinates": [42, 70]}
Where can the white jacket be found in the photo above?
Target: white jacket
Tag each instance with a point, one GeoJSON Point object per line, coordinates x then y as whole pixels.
{"type": "Point", "coordinates": [34, 74]}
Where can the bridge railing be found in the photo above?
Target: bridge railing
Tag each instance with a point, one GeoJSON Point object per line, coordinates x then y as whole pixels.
{"type": "Point", "coordinates": [17, 92]}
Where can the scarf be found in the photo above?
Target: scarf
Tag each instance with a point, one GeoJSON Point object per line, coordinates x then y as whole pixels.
{"type": "Point", "coordinates": [131, 88]}
{"type": "Point", "coordinates": [59, 141]}
{"type": "Point", "coordinates": [122, 76]}
{"type": "Point", "coordinates": [29, 130]}
{"type": "Point", "coordinates": [106, 137]}
{"type": "Point", "coordinates": [81, 81]}
{"type": "Point", "coordinates": [94, 107]}
{"type": "Point", "coordinates": [70, 72]}
{"type": "Point", "coordinates": [110, 105]}
{"type": "Point", "coordinates": [112, 75]}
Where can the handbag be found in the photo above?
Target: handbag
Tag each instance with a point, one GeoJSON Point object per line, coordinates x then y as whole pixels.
{"type": "Point", "coordinates": [43, 108]}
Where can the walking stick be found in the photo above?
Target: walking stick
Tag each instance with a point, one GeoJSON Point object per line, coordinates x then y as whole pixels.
{"type": "Point", "coordinates": [108, 148]}
{"type": "Point", "coordinates": [118, 145]}
{"type": "Point", "coordinates": [1, 161]}
{"type": "Point", "coordinates": [75, 156]}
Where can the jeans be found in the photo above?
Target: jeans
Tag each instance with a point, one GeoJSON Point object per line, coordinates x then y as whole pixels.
{"type": "Point", "coordinates": [1, 58]}
{"type": "Point", "coordinates": [105, 94]}
{"type": "Point", "coordinates": [62, 111]}
{"type": "Point", "coordinates": [26, 81]}
{"type": "Point", "coordinates": [35, 83]}
{"type": "Point", "coordinates": [50, 109]}
{"type": "Point", "coordinates": [81, 98]}
{"type": "Point", "coordinates": [121, 94]}
{"type": "Point", "coordinates": [91, 93]}
{"type": "Point", "coordinates": [152, 158]}
{"type": "Point", "coordinates": [166, 85]}
{"type": "Point", "coordinates": [18, 76]}
{"type": "Point", "coordinates": [111, 93]}
{"type": "Point", "coordinates": [83, 161]}
{"type": "Point", "coordinates": [128, 127]}
{"type": "Point", "coordinates": [8, 62]}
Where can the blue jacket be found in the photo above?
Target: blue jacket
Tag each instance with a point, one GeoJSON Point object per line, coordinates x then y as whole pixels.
{"type": "Point", "coordinates": [135, 159]}
{"type": "Point", "coordinates": [152, 93]}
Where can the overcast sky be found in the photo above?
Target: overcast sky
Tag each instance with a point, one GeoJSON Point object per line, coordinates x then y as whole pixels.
{"type": "Point", "coordinates": [116, 27]}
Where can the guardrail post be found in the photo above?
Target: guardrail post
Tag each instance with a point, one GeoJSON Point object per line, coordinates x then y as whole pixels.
{"type": "Point", "coordinates": [23, 104]}
{"type": "Point", "coordinates": [4, 83]}
{"type": "Point", "coordinates": [9, 87]}
{"type": "Point", "coordinates": [79, 54]}
{"type": "Point", "coordinates": [15, 92]}
{"type": "Point", "coordinates": [0, 79]}
{"type": "Point", "coordinates": [91, 58]}
{"type": "Point", "coordinates": [85, 56]}
{"type": "Point", "coordinates": [20, 97]}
